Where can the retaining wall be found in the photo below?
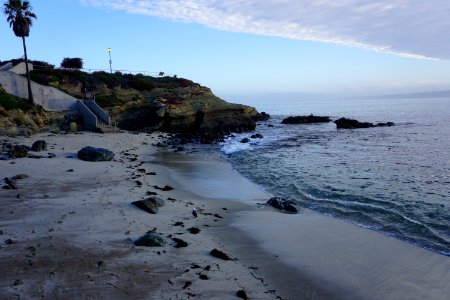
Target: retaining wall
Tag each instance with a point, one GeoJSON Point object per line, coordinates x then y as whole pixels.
{"type": "Point", "coordinates": [49, 98]}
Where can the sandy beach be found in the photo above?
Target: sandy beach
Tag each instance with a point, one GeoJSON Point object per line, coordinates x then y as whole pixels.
{"type": "Point", "coordinates": [67, 232]}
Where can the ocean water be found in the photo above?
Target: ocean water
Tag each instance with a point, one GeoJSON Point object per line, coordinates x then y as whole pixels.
{"type": "Point", "coordinates": [395, 180]}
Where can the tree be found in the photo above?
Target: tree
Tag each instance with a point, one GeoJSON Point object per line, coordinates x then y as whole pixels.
{"type": "Point", "coordinates": [72, 63]}
{"type": "Point", "coordinates": [20, 17]}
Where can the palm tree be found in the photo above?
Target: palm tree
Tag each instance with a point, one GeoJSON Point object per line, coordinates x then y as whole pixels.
{"type": "Point", "coordinates": [20, 18]}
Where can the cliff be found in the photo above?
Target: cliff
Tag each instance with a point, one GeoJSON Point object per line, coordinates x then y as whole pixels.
{"type": "Point", "coordinates": [138, 102]}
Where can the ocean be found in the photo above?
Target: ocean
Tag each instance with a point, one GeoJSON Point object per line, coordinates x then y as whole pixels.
{"type": "Point", "coordinates": [394, 180]}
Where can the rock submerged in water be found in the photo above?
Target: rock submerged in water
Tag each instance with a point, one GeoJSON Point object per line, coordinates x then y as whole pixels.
{"type": "Point", "coordinates": [95, 154]}
{"type": "Point", "coordinates": [306, 119]}
{"type": "Point", "coordinates": [150, 205]}
{"type": "Point", "coordinates": [150, 239]}
{"type": "Point", "coordinates": [344, 123]}
{"type": "Point", "coordinates": [283, 204]}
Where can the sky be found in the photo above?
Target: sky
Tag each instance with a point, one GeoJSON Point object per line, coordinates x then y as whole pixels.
{"type": "Point", "coordinates": [244, 48]}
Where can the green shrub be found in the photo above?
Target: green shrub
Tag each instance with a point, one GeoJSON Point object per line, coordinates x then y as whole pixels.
{"type": "Point", "coordinates": [108, 100]}
{"type": "Point", "coordinates": [10, 102]}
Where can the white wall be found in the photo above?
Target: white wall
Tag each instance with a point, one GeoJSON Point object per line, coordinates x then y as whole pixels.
{"type": "Point", "coordinates": [49, 98]}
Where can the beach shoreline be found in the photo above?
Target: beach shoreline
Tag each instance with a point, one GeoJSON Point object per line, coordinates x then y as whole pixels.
{"type": "Point", "coordinates": [72, 232]}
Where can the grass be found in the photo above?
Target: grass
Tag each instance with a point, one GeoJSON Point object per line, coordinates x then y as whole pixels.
{"type": "Point", "coordinates": [10, 102]}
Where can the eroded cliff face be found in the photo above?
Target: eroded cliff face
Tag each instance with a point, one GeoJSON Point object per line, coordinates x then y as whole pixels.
{"type": "Point", "coordinates": [192, 109]}
{"type": "Point", "coordinates": [138, 102]}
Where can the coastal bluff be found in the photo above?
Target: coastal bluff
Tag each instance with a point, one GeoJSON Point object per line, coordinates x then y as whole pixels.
{"type": "Point", "coordinates": [141, 103]}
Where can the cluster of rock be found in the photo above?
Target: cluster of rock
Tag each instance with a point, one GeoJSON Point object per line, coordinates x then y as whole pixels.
{"type": "Point", "coordinates": [345, 123]}
{"type": "Point", "coordinates": [253, 136]}
{"type": "Point", "coordinates": [11, 151]}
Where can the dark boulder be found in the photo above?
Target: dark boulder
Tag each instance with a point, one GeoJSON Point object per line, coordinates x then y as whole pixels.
{"type": "Point", "coordinates": [242, 294]}
{"type": "Point", "coordinates": [95, 154]}
{"type": "Point", "coordinates": [283, 204]}
{"type": "Point", "coordinates": [306, 119]}
{"type": "Point", "coordinates": [150, 239]}
{"type": "Point", "coordinates": [39, 146]}
{"type": "Point", "coordinates": [352, 124]}
{"type": "Point", "coordinates": [10, 183]}
{"type": "Point", "coordinates": [245, 140]}
{"type": "Point", "coordinates": [150, 205]}
{"type": "Point", "coordinates": [345, 123]}
{"type": "Point", "coordinates": [179, 243]}
{"type": "Point", "coordinates": [18, 151]}
{"type": "Point", "coordinates": [220, 254]}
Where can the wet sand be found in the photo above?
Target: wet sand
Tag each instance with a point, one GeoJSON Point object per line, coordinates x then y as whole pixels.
{"type": "Point", "coordinates": [72, 234]}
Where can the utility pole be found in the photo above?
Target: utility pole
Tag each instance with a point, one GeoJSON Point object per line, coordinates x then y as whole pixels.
{"type": "Point", "coordinates": [110, 61]}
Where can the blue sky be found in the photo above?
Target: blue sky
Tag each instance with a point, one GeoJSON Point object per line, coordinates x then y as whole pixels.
{"type": "Point", "coordinates": [248, 47]}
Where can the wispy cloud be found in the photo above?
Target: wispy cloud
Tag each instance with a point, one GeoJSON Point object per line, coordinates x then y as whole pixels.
{"type": "Point", "coordinates": [411, 28]}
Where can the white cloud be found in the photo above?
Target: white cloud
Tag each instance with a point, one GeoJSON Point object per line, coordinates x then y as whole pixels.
{"type": "Point", "coordinates": [412, 28]}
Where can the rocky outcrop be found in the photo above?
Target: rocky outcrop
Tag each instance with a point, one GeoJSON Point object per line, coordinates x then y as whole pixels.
{"type": "Point", "coordinates": [344, 123]}
{"type": "Point", "coordinates": [192, 109]}
{"type": "Point", "coordinates": [145, 103]}
{"type": "Point", "coordinates": [95, 154]}
{"type": "Point", "coordinates": [306, 119]}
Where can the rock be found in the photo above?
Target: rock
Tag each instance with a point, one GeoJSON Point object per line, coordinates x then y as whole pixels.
{"type": "Point", "coordinates": [283, 204]}
{"type": "Point", "coordinates": [306, 119]}
{"type": "Point", "coordinates": [241, 294]}
{"type": "Point", "coordinates": [150, 239]}
{"type": "Point", "coordinates": [11, 184]}
{"type": "Point", "coordinates": [257, 136]}
{"type": "Point", "coordinates": [167, 188]}
{"type": "Point", "coordinates": [164, 189]}
{"type": "Point", "coordinates": [73, 127]}
{"type": "Point", "coordinates": [95, 154]}
{"type": "Point", "coordinates": [179, 243]}
{"type": "Point", "coordinates": [20, 176]}
{"type": "Point", "coordinates": [18, 151]}
{"type": "Point", "coordinates": [194, 230]}
{"type": "Point", "coordinates": [345, 123]}
{"type": "Point", "coordinates": [245, 140]}
{"type": "Point", "coordinates": [10, 242]}
{"type": "Point", "coordinates": [220, 254]}
{"type": "Point", "coordinates": [40, 145]}
{"type": "Point", "coordinates": [150, 205]}
{"type": "Point", "coordinates": [18, 282]}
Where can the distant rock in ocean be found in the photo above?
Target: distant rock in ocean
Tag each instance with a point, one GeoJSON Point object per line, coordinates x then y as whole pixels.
{"type": "Point", "coordinates": [306, 119]}
{"type": "Point", "coordinates": [344, 123]}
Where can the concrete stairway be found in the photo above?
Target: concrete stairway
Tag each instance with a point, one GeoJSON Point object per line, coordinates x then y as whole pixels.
{"type": "Point", "coordinates": [51, 99]}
